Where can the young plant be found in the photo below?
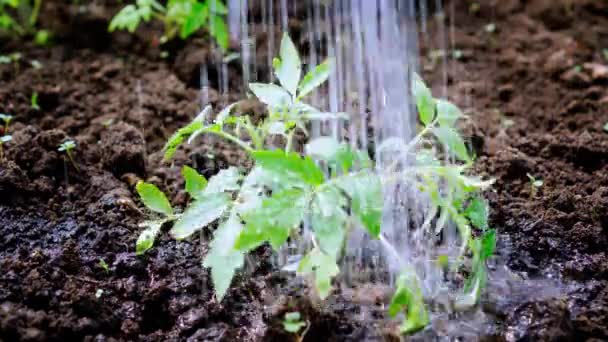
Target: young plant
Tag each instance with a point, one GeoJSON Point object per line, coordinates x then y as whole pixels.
{"type": "Point", "coordinates": [293, 324]}
{"type": "Point", "coordinates": [34, 101]}
{"type": "Point", "coordinates": [3, 140]}
{"type": "Point", "coordinates": [535, 184]}
{"type": "Point", "coordinates": [180, 17]}
{"type": "Point", "coordinates": [270, 203]}
{"type": "Point", "coordinates": [67, 147]}
{"type": "Point", "coordinates": [6, 119]}
{"type": "Point", "coordinates": [19, 17]}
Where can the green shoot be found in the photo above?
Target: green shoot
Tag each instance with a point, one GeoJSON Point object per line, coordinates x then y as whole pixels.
{"type": "Point", "coordinates": [42, 37]}
{"type": "Point", "coordinates": [535, 184]}
{"type": "Point", "coordinates": [156, 201]}
{"type": "Point", "coordinates": [181, 18]}
{"type": "Point", "coordinates": [34, 101]}
{"type": "Point", "coordinates": [104, 266]}
{"type": "Point", "coordinates": [67, 147]}
{"type": "Point", "coordinates": [19, 17]}
{"type": "Point", "coordinates": [3, 140]}
{"type": "Point", "coordinates": [7, 121]}
{"type": "Point", "coordinates": [293, 323]}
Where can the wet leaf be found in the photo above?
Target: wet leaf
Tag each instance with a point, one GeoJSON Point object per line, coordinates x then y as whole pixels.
{"type": "Point", "coordinates": [279, 162]}
{"type": "Point", "coordinates": [222, 258]}
{"type": "Point", "coordinates": [408, 298]}
{"type": "Point", "coordinates": [271, 94]}
{"type": "Point", "coordinates": [316, 77]}
{"type": "Point", "coordinates": [323, 148]}
{"type": "Point", "coordinates": [447, 113]}
{"type": "Point", "coordinates": [324, 267]}
{"type": "Point", "coordinates": [153, 198]}
{"type": "Point", "coordinates": [365, 192]}
{"type": "Point", "coordinates": [328, 220]}
{"type": "Point", "coordinates": [199, 214]}
{"type": "Point", "coordinates": [289, 69]}
{"type": "Point", "coordinates": [275, 220]}
{"type": "Point", "coordinates": [454, 143]}
{"type": "Point", "coordinates": [146, 238]}
{"type": "Point", "coordinates": [225, 180]}
{"type": "Point", "coordinates": [488, 244]}
{"type": "Point", "coordinates": [195, 19]}
{"type": "Point", "coordinates": [424, 100]}
{"type": "Point", "coordinates": [195, 183]}
{"type": "Point", "coordinates": [477, 212]}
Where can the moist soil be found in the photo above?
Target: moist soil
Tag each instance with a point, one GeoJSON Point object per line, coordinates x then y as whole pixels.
{"type": "Point", "coordinates": [534, 85]}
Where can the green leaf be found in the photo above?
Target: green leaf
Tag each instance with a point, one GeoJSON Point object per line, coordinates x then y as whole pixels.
{"type": "Point", "coordinates": [329, 219]}
{"type": "Point", "coordinates": [219, 31]}
{"type": "Point", "coordinates": [271, 94]}
{"type": "Point", "coordinates": [477, 212]}
{"type": "Point", "coordinates": [146, 238]}
{"type": "Point", "coordinates": [128, 18]}
{"type": "Point", "coordinates": [365, 192]}
{"type": "Point", "coordinates": [178, 138]}
{"type": "Point", "coordinates": [195, 183]}
{"type": "Point", "coordinates": [324, 267]}
{"type": "Point", "coordinates": [196, 18]}
{"type": "Point", "coordinates": [222, 258]}
{"type": "Point", "coordinates": [454, 143]}
{"type": "Point", "coordinates": [275, 220]}
{"type": "Point", "coordinates": [199, 214]}
{"type": "Point", "coordinates": [292, 322]}
{"type": "Point", "coordinates": [424, 100]}
{"type": "Point", "coordinates": [408, 297]}
{"type": "Point", "coordinates": [316, 77]}
{"type": "Point", "coordinates": [216, 6]}
{"type": "Point", "coordinates": [292, 164]}
{"type": "Point", "coordinates": [5, 138]}
{"type": "Point", "coordinates": [225, 180]}
{"type": "Point", "coordinates": [447, 113]}
{"type": "Point", "coordinates": [488, 244]}
{"type": "Point", "coordinates": [289, 69]}
{"type": "Point", "coordinates": [153, 198]}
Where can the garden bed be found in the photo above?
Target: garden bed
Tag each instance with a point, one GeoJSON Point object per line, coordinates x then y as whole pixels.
{"type": "Point", "coordinates": [534, 88]}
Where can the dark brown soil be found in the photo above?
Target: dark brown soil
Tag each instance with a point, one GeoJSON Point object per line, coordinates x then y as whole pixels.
{"type": "Point", "coordinates": [532, 111]}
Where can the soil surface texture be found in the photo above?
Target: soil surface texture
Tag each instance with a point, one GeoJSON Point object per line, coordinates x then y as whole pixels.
{"type": "Point", "coordinates": [532, 76]}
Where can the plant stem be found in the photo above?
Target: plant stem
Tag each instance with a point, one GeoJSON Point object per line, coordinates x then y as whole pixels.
{"type": "Point", "coordinates": [233, 139]}
{"type": "Point", "coordinates": [34, 16]}
{"type": "Point", "coordinates": [72, 160]}
{"type": "Point", "coordinates": [289, 141]}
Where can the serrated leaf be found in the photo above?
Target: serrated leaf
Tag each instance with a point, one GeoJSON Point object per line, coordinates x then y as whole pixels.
{"type": "Point", "coordinates": [329, 219]}
{"type": "Point", "coordinates": [275, 220]}
{"type": "Point", "coordinates": [454, 143]}
{"type": "Point", "coordinates": [289, 69]}
{"type": "Point", "coordinates": [222, 258]}
{"type": "Point", "coordinates": [316, 77]}
{"type": "Point", "coordinates": [477, 213]}
{"type": "Point", "coordinates": [365, 192]}
{"type": "Point", "coordinates": [424, 100]}
{"type": "Point", "coordinates": [127, 18]}
{"type": "Point", "coordinates": [195, 183]}
{"type": "Point", "coordinates": [408, 297]}
{"type": "Point", "coordinates": [279, 162]}
{"type": "Point", "coordinates": [194, 20]}
{"type": "Point", "coordinates": [153, 198]}
{"type": "Point", "coordinates": [447, 113]}
{"type": "Point", "coordinates": [324, 267]}
{"type": "Point", "coordinates": [179, 136]}
{"type": "Point", "coordinates": [225, 180]}
{"type": "Point", "coordinates": [199, 214]}
{"type": "Point", "coordinates": [271, 94]}
{"type": "Point", "coordinates": [146, 238]}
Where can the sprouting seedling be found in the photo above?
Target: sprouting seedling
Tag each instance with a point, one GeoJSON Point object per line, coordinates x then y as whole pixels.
{"type": "Point", "coordinates": [7, 121]}
{"type": "Point", "coordinates": [67, 147]}
{"type": "Point", "coordinates": [490, 28]}
{"type": "Point", "coordinates": [3, 140]}
{"type": "Point", "coordinates": [293, 323]}
{"type": "Point", "coordinates": [535, 184]}
{"type": "Point", "coordinates": [104, 265]}
{"type": "Point", "coordinates": [34, 101]}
